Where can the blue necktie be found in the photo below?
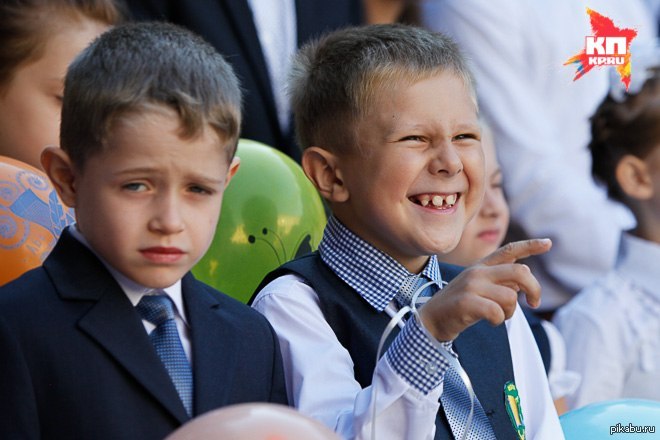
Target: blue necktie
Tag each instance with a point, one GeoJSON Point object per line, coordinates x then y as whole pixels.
{"type": "Point", "coordinates": [455, 398]}
{"type": "Point", "coordinates": [159, 310]}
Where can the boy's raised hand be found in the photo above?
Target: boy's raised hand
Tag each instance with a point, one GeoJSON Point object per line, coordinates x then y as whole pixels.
{"type": "Point", "coordinates": [487, 290]}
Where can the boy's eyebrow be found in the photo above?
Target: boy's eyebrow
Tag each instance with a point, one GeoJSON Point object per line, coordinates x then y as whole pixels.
{"type": "Point", "coordinates": [205, 179]}
{"type": "Point", "coordinates": [469, 126]}
{"type": "Point", "coordinates": [148, 170]}
{"type": "Point", "coordinates": [463, 126]}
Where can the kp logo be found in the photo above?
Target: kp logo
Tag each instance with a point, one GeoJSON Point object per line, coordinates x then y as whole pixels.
{"type": "Point", "coordinates": [608, 46]}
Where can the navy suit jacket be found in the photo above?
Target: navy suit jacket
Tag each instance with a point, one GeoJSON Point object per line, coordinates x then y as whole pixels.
{"type": "Point", "coordinates": [76, 361]}
{"type": "Point", "coordinates": [229, 27]}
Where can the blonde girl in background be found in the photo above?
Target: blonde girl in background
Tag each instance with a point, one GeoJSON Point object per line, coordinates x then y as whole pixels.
{"type": "Point", "coordinates": [38, 40]}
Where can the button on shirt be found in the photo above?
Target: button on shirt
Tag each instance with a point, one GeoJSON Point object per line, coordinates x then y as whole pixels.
{"type": "Point", "coordinates": [611, 329]}
{"type": "Point", "coordinates": [408, 379]}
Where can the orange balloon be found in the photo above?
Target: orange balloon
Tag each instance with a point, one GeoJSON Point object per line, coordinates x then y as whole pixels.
{"type": "Point", "coordinates": [253, 421]}
{"type": "Point", "coordinates": [31, 218]}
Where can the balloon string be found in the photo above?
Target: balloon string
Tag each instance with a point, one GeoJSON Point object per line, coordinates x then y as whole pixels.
{"type": "Point", "coordinates": [397, 319]}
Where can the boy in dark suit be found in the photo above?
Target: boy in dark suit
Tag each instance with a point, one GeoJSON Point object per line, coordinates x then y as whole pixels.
{"type": "Point", "coordinates": [388, 119]}
{"type": "Point", "coordinates": [113, 338]}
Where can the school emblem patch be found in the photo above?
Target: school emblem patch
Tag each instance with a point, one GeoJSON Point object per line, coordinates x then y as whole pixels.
{"type": "Point", "coordinates": [512, 404]}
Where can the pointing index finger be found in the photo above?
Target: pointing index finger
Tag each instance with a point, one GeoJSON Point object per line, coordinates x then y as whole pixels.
{"type": "Point", "coordinates": [516, 250]}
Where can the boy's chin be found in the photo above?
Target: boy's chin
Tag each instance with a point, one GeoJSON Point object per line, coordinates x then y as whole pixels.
{"type": "Point", "coordinates": [444, 246]}
{"type": "Point", "coordinates": [157, 281]}
{"type": "Point", "coordinates": [443, 250]}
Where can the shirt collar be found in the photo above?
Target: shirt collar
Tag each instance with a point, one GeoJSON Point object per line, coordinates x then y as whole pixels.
{"type": "Point", "coordinates": [133, 290]}
{"type": "Point", "coordinates": [375, 275]}
{"type": "Point", "coordinates": [638, 260]}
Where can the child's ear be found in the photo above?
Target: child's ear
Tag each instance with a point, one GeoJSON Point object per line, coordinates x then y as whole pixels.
{"type": "Point", "coordinates": [322, 168]}
{"type": "Point", "coordinates": [58, 167]}
{"type": "Point", "coordinates": [634, 178]}
{"type": "Point", "coordinates": [233, 167]}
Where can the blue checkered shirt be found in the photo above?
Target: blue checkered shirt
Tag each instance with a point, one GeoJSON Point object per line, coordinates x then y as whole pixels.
{"type": "Point", "coordinates": [377, 277]}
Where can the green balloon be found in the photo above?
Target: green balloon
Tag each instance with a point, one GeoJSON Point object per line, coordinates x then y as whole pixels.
{"type": "Point", "coordinates": [271, 213]}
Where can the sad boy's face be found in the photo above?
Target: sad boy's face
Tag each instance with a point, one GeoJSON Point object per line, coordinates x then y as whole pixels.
{"type": "Point", "coordinates": [149, 203]}
{"type": "Point", "coordinates": [419, 177]}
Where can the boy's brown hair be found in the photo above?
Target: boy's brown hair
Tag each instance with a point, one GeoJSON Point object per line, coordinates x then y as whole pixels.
{"type": "Point", "coordinates": [140, 67]}
{"type": "Point", "coordinates": [27, 26]}
{"type": "Point", "coordinates": [337, 79]}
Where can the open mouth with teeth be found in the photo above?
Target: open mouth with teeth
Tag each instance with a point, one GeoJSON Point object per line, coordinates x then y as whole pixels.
{"type": "Point", "coordinates": [435, 201]}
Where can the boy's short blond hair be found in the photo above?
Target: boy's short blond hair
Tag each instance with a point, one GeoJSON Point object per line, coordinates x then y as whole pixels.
{"type": "Point", "coordinates": [140, 67]}
{"type": "Point", "coordinates": [335, 80]}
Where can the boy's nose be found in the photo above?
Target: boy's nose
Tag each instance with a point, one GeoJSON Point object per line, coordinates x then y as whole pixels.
{"type": "Point", "coordinates": [446, 161]}
{"type": "Point", "coordinates": [166, 217]}
{"type": "Point", "coordinates": [490, 207]}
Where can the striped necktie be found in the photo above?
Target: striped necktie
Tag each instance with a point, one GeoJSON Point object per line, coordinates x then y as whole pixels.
{"type": "Point", "coordinates": [159, 310]}
{"type": "Point", "coordinates": [455, 397]}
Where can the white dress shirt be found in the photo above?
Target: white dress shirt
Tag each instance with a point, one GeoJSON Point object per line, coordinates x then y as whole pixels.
{"type": "Point", "coordinates": [540, 121]}
{"type": "Point", "coordinates": [562, 380]}
{"type": "Point", "coordinates": [320, 378]}
{"type": "Point", "coordinates": [612, 329]}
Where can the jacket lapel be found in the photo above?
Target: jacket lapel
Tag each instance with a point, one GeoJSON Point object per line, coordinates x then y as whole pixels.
{"type": "Point", "coordinates": [111, 321]}
{"type": "Point", "coordinates": [214, 343]}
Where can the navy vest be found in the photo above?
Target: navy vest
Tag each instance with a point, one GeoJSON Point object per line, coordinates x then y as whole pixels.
{"type": "Point", "coordinates": [540, 336]}
{"type": "Point", "coordinates": [483, 349]}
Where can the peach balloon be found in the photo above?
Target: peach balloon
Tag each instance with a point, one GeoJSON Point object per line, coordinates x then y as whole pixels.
{"type": "Point", "coordinates": [253, 421]}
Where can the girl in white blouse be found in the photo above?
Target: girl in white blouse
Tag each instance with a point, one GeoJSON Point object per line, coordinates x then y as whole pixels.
{"type": "Point", "coordinates": [611, 328]}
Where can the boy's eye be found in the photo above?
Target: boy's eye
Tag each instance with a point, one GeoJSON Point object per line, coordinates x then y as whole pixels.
{"type": "Point", "coordinates": [199, 190]}
{"type": "Point", "coordinates": [464, 136]}
{"type": "Point", "coordinates": [412, 137]}
{"type": "Point", "coordinates": [135, 187]}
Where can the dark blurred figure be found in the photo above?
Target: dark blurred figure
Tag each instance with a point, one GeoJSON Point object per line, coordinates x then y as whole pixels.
{"type": "Point", "coordinates": [258, 38]}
